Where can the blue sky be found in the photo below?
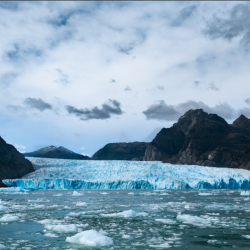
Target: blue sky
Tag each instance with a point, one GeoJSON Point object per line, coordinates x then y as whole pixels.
{"type": "Point", "coordinates": [83, 74]}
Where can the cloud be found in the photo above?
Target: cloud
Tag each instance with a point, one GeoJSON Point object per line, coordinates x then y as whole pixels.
{"type": "Point", "coordinates": [7, 78]}
{"type": "Point", "coordinates": [127, 88]}
{"type": "Point", "coordinates": [112, 107]}
{"type": "Point", "coordinates": [184, 14]}
{"type": "Point", "coordinates": [247, 101]}
{"type": "Point", "coordinates": [236, 24]}
{"type": "Point", "coordinates": [126, 49]}
{"type": "Point", "coordinates": [64, 79]}
{"type": "Point", "coordinates": [158, 87]}
{"type": "Point", "coordinates": [20, 148]}
{"type": "Point", "coordinates": [213, 87]}
{"type": "Point", "coordinates": [38, 104]}
{"type": "Point", "coordinates": [163, 112]}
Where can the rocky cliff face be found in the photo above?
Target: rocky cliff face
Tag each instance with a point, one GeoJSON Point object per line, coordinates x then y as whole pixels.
{"type": "Point", "coordinates": [199, 138]}
{"type": "Point", "coordinates": [121, 151]}
{"type": "Point", "coordinates": [56, 152]}
{"type": "Point", "coordinates": [12, 163]}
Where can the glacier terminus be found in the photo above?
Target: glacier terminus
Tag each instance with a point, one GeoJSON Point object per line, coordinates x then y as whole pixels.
{"type": "Point", "coordinates": [90, 174]}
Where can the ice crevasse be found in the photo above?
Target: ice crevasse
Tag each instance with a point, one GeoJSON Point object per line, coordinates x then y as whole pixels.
{"type": "Point", "coordinates": [88, 174]}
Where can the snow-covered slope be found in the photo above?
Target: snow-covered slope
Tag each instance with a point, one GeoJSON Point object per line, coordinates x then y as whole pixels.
{"type": "Point", "coordinates": [75, 174]}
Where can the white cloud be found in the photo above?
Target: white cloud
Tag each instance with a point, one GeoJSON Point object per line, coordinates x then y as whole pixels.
{"type": "Point", "coordinates": [66, 53]}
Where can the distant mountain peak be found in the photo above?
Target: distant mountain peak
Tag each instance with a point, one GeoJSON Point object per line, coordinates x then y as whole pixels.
{"type": "Point", "coordinates": [56, 152]}
{"type": "Point", "coordinates": [242, 122]}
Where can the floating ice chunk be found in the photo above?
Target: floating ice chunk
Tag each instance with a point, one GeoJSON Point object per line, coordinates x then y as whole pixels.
{"type": "Point", "coordinates": [144, 214]}
{"type": "Point", "coordinates": [75, 193]}
{"type": "Point", "coordinates": [46, 221]}
{"type": "Point", "coordinates": [166, 221]}
{"type": "Point", "coordinates": [2, 246]}
{"type": "Point", "coordinates": [246, 236]}
{"type": "Point", "coordinates": [13, 189]}
{"type": "Point", "coordinates": [186, 207]}
{"type": "Point", "coordinates": [50, 235]}
{"type": "Point", "coordinates": [214, 242]}
{"type": "Point", "coordinates": [245, 193]}
{"type": "Point", "coordinates": [3, 202]}
{"type": "Point", "coordinates": [9, 218]}
{"type": "Point", "coordinates": [193, 220]}
{"type": "Point", "coordinates": [125, 214]}
{"type": "Point", "coordinates": [71, 228]}
{"type": "Point", "coordinates": [90, 238]}
{"type": "Point", "coordinates": [204, 194]}
{"type": "Point", "coordinates": [73, 214]}
{"type": "Point", "coordinates": [104, 193]}
{"type": "Point", "coordinates": [2, 208]}
{"type": "Point", "coordinates": [81, 204]}
{"type": "Point", "coordinates": [125, 236]}
{"type": "Point", "coordinates": [163, 245]}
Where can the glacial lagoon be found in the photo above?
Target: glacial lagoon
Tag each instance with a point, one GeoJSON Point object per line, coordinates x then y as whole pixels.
{"type": "Point", "coordinates": [75, 205]}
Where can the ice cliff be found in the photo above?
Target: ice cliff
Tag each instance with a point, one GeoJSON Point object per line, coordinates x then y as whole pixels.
{"type": "Point", "coordinates": [77, 174]}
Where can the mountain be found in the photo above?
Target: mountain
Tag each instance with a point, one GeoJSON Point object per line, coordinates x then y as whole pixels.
{"type": "Point", "coordinates": [12, 163]}
{"type": "Point", "coordinates": [199, 138]}
{"type": "Point", "coordinates": [56, 152]}
{"type": "Point", "coordinates": [121, 151]}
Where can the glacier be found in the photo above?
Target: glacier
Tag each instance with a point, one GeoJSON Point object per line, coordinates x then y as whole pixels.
{"type": "Point", "coordinates": [89, 174]}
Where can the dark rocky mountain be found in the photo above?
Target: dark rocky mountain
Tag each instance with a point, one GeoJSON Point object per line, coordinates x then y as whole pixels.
{"type": "Point", "coordinates": [199, 138]}
{"type": "Point", "coordinates": [56, 152]}
{"type": "Point", "coordinates": [121, 151]}
{"type": "Point", "coordinates": [12, 163]}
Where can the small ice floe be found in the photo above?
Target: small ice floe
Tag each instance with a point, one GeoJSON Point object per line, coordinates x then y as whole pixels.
{"type": "Point", "coordinates": [245, 193]}
{"type": "Point", "coordinates": [166, 221]}
{"type": "Point", "coordinates": [75, 193]}
{"type": "Point", "coordinates": [125, 214]}
{"type": "Point", "coordinates": [204, 194]}
{"type": "Point", "coordinates": [46, 221]}
{"type": "Point", "coordinates": [57, 195]}
{"type": "Point", "coordinates": [50, 235]}
{"type": "Point", "coordinates": [73, 214]}
{"type": "Point", "coordinates": [13, 189]}
{"type": "Point", "coordinates": [104, 193]}
{"type": "Point", "coordinates": [90, 238]}
{"type": "Point", "coordinates": [246, 236]}
{"type": "Point", "coordinates": [71, 228]}
{"type": "Point", "coordinates": [2, 246]}
{"type": "Point", "coordinates": [81, 204]}
{"type": "Point", "coordinates": [125, 236]}
{"type": "Point", "coordinates": [2, 208]}
{"type": "Point", "coordinates": [9, 218]}
{"type": "Point", "coordinates": [193, 220]}
{"type": "Point", "coordinates": [214, 242]}
{"type": "Point", "coordinates": [163, 245]}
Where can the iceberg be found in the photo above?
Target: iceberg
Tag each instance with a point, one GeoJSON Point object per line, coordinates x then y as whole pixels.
{"type": "Point", "coordinates": [90, 174]}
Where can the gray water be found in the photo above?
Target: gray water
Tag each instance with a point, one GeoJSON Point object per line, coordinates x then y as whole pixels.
{"type": "Point", "coordinates": [216, 219]}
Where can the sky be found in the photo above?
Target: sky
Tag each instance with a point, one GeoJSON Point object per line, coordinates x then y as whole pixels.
{"type": "Point", "coordinates": [84, 74]}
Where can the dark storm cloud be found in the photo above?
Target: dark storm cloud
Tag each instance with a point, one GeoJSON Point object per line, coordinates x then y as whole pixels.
{"type": "Point", "coordinates": [237, 23]}
{"type": "Point", "coordinates": [162, 111]}
{"type": "Point", "coordinates": [184, 14]}
{"type": "Point", "coordinates": [112, 107]}
{"type": "Point", "coordinates": [38, 104]}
